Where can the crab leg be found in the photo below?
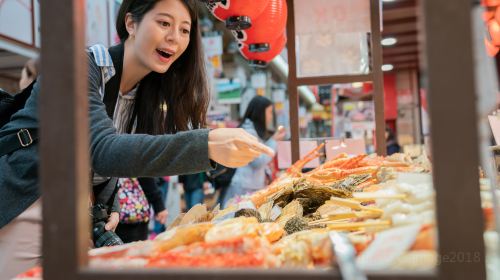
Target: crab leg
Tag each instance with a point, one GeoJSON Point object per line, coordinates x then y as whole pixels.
{"type": "Point", "coordinates": [296, 169]}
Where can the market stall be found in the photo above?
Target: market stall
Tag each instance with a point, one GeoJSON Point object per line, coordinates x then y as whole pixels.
{"type": "Point", "coordinates": [389, 201]}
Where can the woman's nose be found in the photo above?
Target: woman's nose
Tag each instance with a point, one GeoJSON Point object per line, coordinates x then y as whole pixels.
{"type": "Point", "coordinates": [172, 36]}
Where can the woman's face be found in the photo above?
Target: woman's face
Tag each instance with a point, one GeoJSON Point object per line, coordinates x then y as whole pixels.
{"type": "Point", "coordinates": [269, 117]}
{"type": "Point", "coordinates": [162, 35]}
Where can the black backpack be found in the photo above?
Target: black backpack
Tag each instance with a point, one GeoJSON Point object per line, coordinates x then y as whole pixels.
{"type": "Point", "coordinates": [10, 104]}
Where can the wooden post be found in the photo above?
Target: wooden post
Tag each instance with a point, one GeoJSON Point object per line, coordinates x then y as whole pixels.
{"type": "Point", "coordinates": [449, 69]}
{"type": "Point", "coordinates": [64, 145]}
{"type": "Point", "coordinates": [292, 83]}
{"type": "Point", "coordinates": [378, 78]}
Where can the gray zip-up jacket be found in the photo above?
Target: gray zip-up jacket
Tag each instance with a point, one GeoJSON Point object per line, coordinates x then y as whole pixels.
{"type": "Point", "coordinates": [112, 154]}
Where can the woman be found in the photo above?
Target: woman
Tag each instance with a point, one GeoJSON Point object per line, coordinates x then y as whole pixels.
{"type": "Point", "coordinates": [258, 121]}
{"type": "Point", "coordinates": [163, 74]}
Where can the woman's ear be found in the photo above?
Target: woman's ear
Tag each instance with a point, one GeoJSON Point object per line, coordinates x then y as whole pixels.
{"type": "Point", "coordinates": [130, 25]}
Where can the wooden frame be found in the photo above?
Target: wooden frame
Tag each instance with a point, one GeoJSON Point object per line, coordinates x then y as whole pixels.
{"type": "Point", "coordinates": [454, 135]}
{"type": "Point", "coordinates": [64, 145]}
{"type": "Point", "coordinates": [64, 166]}
{"type": "Point", "coordinates": [376, 76]}
{"type": "Point", "coordinates": [19, 42]}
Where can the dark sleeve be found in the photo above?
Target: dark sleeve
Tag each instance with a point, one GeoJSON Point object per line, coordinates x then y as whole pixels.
{"type": "Point", "coordinates": [140, 155]}
{"type": "Point", "coordinates": [153, 193]}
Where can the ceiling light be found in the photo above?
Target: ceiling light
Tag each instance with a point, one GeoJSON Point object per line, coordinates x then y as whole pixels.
{"type": "Point", "coordinates": [357, 85]}
{"type": "Point", "coordinates": [389, 41]}
{"type": "Point", "coordinates": [387, 67]}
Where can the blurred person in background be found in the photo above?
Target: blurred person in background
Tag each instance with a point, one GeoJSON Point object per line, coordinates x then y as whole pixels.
{"type": "Point", "coordinates": [258, 121]}
{"type": "Point", "coordinates": [391, 142]}
{"type": "Point", "coordinates": [194, 186]}
{"type": "Point", "coordinates": [163, 184]}
{"type": "Point", "coordinates": [29, 73]}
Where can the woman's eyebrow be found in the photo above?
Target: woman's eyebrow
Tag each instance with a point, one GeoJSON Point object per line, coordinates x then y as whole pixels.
{"type": "Point", "coordinates": [172, 17]}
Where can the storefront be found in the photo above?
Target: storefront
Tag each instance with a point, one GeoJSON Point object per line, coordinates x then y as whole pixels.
{"type": "Point", "coordinates": [353, 216]}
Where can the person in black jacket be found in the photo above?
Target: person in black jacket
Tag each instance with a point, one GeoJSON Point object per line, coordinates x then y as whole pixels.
{"type": "Point", "coordinates": [391, 142]}
{"type": "Point", "coordinates": [194, 186]}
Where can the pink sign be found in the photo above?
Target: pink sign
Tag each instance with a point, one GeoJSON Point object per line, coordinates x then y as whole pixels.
{"type": "Point", "coordinates": [349, 146]}
{"type": "Point", "coordinates": [285, 153]}
{"type": "Point", "coordinates": [332, 16]}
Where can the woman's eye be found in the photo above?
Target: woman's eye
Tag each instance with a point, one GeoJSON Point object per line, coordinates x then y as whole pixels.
{"type": "Point", "coordinates": [164, 23]}
{"type": "Point", "coordinates": [186, 31]}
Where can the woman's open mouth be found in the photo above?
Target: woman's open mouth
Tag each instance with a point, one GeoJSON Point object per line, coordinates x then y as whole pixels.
{"type": "Point", "coordinates": [164, 55]}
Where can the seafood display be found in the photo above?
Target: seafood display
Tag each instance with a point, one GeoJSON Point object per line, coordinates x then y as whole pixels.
{"type": "Point", "coordinates": [288, 223]}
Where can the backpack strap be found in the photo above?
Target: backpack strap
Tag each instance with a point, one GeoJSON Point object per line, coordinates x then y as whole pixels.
{"type": "Point", "coordinates": [107, 192]}
{"type": "Point", "coordinates": [26, 137]}
{"type": "Point", "coordinates": [112, 87]}
{"type": "Point", "coordinates": [23, 137]}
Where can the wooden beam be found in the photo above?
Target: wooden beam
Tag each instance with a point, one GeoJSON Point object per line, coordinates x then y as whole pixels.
{"type": "Point", "coordinates": [398, 4]}
{"type": "Point", "coordinates": [400, 27]}
{"type": "Point", "coordinates": [11, 69]}
{"type": "Point", "coordinates": [245, 274]}
{"type": "Point", "coordinates": [402, 58]}
{"type": "Point", "coordinates": [341, 79]}
{"type": "Point", "coordinates": [400, 50]}
{"type": "Point", "coordinates": [406, 65]}
{"type": "Point", "coordinates": [293, 95]}
{"type": "Point", "coordinates": [378, 78]}
{"type": "Point", "coordinates": [405, 69]}
{"type": "Point", "coordinates": [408, 68]}
{"type": "Point", "coordinates": [12, 60]}
{"type": "Point", "coordinates": [10, 77]}
{"type": "Point", "coordinates": [399, 13]}
{"type": "Point", "coordinates": [64, 145]}
{"type": "Point", "coordinates": [450, 82]}
{"type": "Point", "coordinates": [402, 54]}
{"type": "Point", "coordinates": [402, 39]}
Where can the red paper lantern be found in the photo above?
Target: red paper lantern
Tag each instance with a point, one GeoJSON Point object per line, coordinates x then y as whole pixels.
{"type": "Point", "coordinates": [266, 28]}
{"type": "Point", "coordinates": [238, 14]}
{"type": "Point", "coordinates": [260, 59]}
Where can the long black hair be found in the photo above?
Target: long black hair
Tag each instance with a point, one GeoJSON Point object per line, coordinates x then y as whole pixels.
{"type": "Point", "coordinates": [178, 99]}
{"type": "Point", "coordinates": [256, 112]}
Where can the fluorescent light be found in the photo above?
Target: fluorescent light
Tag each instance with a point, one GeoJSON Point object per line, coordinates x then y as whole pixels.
{"type": "Point", "coordinates": [357, 85]}
{"type": "Point", "coordinates": [388, 0]}
{"type": "Point", "coordinates": [387, 67]}
{"type": "Point", "coordinates": [389, 41]}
